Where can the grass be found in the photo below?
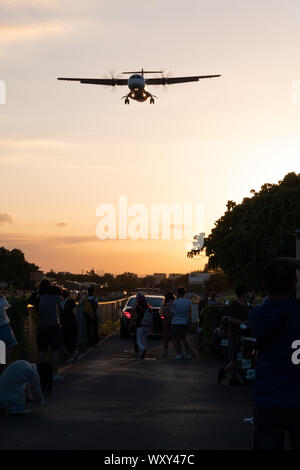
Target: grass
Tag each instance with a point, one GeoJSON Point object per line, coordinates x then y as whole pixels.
{"type": "Point", "coordinates": [108, 327]}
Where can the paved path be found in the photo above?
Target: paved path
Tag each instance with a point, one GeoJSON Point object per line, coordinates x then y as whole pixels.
{"type": "Point", "coordinates": [111, 400]}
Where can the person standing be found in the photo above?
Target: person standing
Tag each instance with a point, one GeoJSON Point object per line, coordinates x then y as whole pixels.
{"type": "Point", "coordinates": [238, 314]}
{"type": "Point", "coordinates": [90, 310]}
{"type": "Point", "coordinates": [34, 298]}
{"type": "Point", "coordinates": [166, 315]}
{"type": "Point", "coordinates": [143, 320]}
{"type": "Point", "coordinates": [69, 325]}
{"type": "Point", "coordinates": [276, 326]}
{"type": "Point", "coordinates": [49, 337]}
{"type": "Point", "coordinates": [182, 312]}
{"type": "Point", "coordinates": [212, 301]}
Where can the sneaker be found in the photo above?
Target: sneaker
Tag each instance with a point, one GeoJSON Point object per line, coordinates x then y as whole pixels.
{"type": "Point", "coordinates": [57, 378]}
{"type": "Point", "coordinates": [177, 357]}
{"type": "Point", "coordinates": [143, 354]}
{"type": "Point", "coordinates": [16, 412]}
{"type": "Point", "coordinates": [221, 376]}
{"type": "Point", "coordinates": [73, 357]}
{"type": "Point", "coordinates": [187, 356]}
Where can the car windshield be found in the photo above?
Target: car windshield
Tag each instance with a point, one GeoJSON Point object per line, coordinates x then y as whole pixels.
{"type": "Point", "coordinates": [155, 301]}
{"type": "Point", "coordinates": [131, 302]}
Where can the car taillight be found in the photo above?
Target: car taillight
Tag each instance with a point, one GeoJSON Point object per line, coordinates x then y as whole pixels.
{"type": "Point", "coordinates": [162, 317]}
{"type": "Point", "coordinates": [127, 314]}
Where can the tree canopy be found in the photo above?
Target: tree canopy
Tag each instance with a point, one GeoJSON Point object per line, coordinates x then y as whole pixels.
{"type": "Point", "coordinates": [250, 234]}
{"type": "Point", "coordinates": [14, 267]}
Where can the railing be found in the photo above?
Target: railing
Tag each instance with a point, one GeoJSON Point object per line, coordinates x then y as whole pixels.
{"type": "Point", "coordinates": [108, 311]}
{"type": "Point", "coordinates": [111, 310]}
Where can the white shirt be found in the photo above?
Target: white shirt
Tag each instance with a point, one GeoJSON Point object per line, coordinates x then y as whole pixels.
{"type": "Point", "coordinates": [181, 309]}
{"type": "Point", "coordinates": [4, 305]}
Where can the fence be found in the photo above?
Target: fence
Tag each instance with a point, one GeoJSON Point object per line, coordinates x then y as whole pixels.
{"type": "Point", "coordinates": [109, 311]}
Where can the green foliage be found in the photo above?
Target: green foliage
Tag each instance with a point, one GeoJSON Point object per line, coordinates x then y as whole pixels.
{"type": "Point", "coordinates": [17, 313]}
{"type": "Point", "coordinates": [107, 328]}
{"type": "Point", "coordinates": [249, 235]}
{"type": "Point", "coordinates": [216, 282]}
{"type": "Point", "coordinates": [14, 267]}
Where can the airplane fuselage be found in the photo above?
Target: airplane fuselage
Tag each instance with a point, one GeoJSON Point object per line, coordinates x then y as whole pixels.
{"type": "Point", "coordinates": [136, 84]}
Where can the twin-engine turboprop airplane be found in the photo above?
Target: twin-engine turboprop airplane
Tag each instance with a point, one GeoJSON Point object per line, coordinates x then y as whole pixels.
{"type": "Point", "coordinates": [137, 83]}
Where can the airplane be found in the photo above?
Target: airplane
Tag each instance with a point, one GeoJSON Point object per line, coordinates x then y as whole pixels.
{"type": "Point", "coordinates": [137, 82]}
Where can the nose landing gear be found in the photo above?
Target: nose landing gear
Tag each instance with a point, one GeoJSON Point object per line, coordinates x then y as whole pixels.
{"type": "Point", "coordinates": [126, 101]}
{"type": "Point", "coordinates": [151, 100]}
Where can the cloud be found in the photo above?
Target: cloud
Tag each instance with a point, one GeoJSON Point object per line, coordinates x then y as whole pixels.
{"type": "Point", "coordinates": [19, 32]}
{"type": "Point", "coordinates": [61, 224]}
{"type": "Point", "coordinates": [38, 240]}
{"type": "Point", "coordinates": [5, 219]}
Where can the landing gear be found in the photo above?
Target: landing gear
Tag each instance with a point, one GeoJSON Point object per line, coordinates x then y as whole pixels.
{"type": "Point", "coordinates": [151, 100]}
{"type": "Point", "coordinates": [127, 101]}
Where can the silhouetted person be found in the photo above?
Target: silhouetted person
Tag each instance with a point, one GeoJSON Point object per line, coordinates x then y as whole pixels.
{"type": "Point", "coordinates": [90, 310]}
{"type": "Point", "coordinates": [276, 325]}
{"type": "Point", "coordinates": [49, 335]}
{"type": "Point", "coordinates": [166, 314]}
{"type": "Point", "coordinates": [182, 311]}
{"type": "Point", "coordinates": [69, 325]}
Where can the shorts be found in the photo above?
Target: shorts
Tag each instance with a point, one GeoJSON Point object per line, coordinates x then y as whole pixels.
{"type": "Point", "coordinates": [49, 336]}
{"type": "Point", "coordinates": [7, 336]}
{"type": "Point", "coordinates": [179, 331]}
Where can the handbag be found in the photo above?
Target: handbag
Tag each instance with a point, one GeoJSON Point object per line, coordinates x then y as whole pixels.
{"type": "Point", "coordinates": [147, 318]}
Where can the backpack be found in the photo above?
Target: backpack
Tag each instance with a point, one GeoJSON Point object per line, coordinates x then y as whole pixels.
{"type": "Point", "coordinates": [147, 318]}
{"type": "Point", "coordinates": [88, 308]}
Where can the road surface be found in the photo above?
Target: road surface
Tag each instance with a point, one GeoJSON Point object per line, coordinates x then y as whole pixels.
{"type": "Point", "coordinates": [111, 400]}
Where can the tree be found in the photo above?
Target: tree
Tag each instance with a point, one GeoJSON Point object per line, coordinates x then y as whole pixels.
{"type": "Point", "coordinates": [249, 235]}
{"type": "Point", "coordinates": [14, 267]}
{"type": "Point", "coordinates": [217, 281]}
{"type": "Point", "coordinates": [127, 281]}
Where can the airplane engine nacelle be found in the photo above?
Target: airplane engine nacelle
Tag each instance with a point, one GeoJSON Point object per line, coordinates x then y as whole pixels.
{"type": "Point", "coordinates": [136, 82]}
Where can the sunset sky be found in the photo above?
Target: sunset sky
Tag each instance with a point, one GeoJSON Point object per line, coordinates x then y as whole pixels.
{"type": "Point", "coordinates": [66, 148]}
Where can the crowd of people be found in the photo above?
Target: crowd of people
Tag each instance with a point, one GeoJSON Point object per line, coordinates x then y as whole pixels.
{"type": "Point", "coordinates": [57, 330]}
{"type": "Point", "coordinates": [175, 314]}
{"type": "Point", "coordinates": [275, 324]}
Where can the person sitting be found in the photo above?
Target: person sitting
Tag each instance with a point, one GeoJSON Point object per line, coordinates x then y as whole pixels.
{"type": "Point", "coordinates": [22, 377]}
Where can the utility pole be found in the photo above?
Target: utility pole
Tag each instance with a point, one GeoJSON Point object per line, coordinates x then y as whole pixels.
{"type": "Point", "coordinates": [298, 257]}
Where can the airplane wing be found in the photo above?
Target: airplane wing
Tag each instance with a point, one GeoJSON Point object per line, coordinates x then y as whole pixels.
{"type": "Point", "coordinates": [172, 80]}
{"type": "Point", "coordinates": [98, 81]}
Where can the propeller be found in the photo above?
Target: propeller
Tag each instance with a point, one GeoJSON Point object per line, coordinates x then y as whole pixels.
{"type": "Point", "coordinates": [165, 76]}
{"type": "Point", "coordinates": [112, 76]}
